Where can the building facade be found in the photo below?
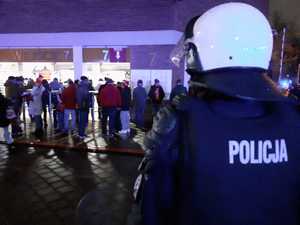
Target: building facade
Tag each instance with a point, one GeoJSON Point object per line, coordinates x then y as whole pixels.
{"type": "Point", "coordinates": [147, 30]}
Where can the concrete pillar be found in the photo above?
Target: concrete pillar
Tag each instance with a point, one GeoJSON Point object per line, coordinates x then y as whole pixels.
{"type": "Point", "coordinates": [20, 68]}
{"type": "Point", "coordinates": [77, 60]}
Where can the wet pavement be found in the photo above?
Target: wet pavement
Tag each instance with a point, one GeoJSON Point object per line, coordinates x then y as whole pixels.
{"type": "Point", "coordinates": [41, 186]}
{"type": "Point", "coordinates": [95, 142]}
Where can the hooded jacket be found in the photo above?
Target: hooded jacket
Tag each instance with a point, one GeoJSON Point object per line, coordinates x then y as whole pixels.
{"type": "Point", "coordinates": [83, 96]}
{"type": "Point", "coordinates": [110, 96]}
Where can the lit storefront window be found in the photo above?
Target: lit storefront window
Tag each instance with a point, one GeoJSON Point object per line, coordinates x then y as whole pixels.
{"type": "Point", "coordinates": [63, 71]}
{"type": "Point", "coordinates": [34, 69]}
{"type": "Point", "coordinates": [99, 63]}
{"type": "Point", "coordinates": [30, 63]}
{"type": "Point", "coordinates": [7, 69]}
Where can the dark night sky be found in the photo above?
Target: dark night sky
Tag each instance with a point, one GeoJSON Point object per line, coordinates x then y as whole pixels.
{"type": "Point", "coordinates": [288, 9]}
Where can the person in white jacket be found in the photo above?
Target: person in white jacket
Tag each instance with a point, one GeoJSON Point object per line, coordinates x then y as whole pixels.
{"type": "Point", "coordinates": [36, 106]}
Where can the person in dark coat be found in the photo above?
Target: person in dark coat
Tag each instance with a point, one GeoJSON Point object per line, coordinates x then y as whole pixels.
{"type": "Point", "coordinates": [45, 100]}
{"type": "Point", "coordinates": [139, 103]}
{"type": "Point", "coordinates": [126, 102]}
{"type": "Point", "coordinates": [118, 124]}
{"type": "Point", "coordinates": [4, 122]}
{"type": "Point", "coordinates": [179, 89]}
{"type": "Point", "coordinates": [83, 103]}
{"type": "Point", "coordinates": [92, 100]}
{"type": "Point", "coordinates": [30, 84]}
{"type": "Point", "coordinates": [13, 92]}
{"type": "Point", "coordinates": [156, 95]}
{"type": "Point", "coordinates": [55, 87]}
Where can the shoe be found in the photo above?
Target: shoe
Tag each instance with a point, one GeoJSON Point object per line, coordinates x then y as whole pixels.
{"type": "Point", "coordinates": [10, 142]}
{"type": "Point", "coordinates": [81, 137]}
{"type": "Point", "coordinates": [123, 132]}
{"type": "Point", "coordinates": [74, 131]}
{"type": "Point", "coordinates": [128, 131]}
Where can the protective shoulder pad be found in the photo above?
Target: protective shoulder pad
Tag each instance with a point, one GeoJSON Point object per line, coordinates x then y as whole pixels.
{"type": "Point", "coordinates": [165, 126]}
{"type": "Point", "coordinates": [180, 102]}
{"type": "Point", "coordinates": [165, 120]}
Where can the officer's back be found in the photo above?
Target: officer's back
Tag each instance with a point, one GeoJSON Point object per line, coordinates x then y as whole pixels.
{"type": "Point", "coordinates": [242, 166]}
{"type": "Point", "coordinates": [228, 153]}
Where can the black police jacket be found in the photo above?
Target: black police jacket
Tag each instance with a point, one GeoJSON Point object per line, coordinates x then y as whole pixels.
{"type": "Point", "coordinates": [215, 162]}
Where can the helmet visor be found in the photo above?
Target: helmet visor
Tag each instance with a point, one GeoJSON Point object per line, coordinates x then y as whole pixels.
{"type": "Point", "coordinates": [179, 51]}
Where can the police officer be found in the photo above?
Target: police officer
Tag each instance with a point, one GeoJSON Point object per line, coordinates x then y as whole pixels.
{"type": "Point", "coordinates": [228, 154]}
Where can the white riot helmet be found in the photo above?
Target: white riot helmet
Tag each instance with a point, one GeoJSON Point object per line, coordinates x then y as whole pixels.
{"type": "Point", "coordinates": [233, 35]}
{"type": "Point", "coordinates": [228, 49]}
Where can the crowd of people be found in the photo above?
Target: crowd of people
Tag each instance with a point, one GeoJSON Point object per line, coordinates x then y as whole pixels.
{"type": "Point", "coordinates": [72, 103]}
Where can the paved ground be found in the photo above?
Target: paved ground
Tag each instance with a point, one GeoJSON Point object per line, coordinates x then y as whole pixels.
{"type": "Point", "coordinates": [95, 142]}
{"type": "Point", "coordinates": [44, 186]}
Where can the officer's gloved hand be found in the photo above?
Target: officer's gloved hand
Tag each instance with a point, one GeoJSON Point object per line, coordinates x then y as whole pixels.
{"type": "Point", "coordinates": [180, 102]}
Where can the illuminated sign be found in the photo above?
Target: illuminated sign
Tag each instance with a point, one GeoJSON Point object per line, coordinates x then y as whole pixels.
{"type": "Point", "coordinates": [106, 55]}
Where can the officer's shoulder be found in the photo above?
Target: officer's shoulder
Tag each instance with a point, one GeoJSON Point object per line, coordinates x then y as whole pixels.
{"type": "Point", "coordinates": [167, 117]}
{"type": "Point", "coordinates": [180, 103]}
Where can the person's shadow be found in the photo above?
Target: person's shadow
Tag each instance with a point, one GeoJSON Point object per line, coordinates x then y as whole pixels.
{"type": "Point", "coordinates": [126, 169]}
{"type": "Point", "coordinates": [78, 161]}
{"type": "Point", "coordinates": [91, 203]}
{"type": "Point", "coordinates": [14, 186]}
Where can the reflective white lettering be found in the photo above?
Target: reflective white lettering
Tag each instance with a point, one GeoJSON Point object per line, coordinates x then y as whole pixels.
{"type": "Point", "coordinates": [244, 152]}
{"type": "Point", "coordinates": [252, 150]}
{"type": "Point", "coordinates": [266, 146]}
{"type": "Point", "coordinates": [283, 151]}
{"type": "Point", "coordinates": [275, 156]}
{"type": "Point", "coordinates": [233, 150]}
{"type": "Point", "coordinates": [258, 152]}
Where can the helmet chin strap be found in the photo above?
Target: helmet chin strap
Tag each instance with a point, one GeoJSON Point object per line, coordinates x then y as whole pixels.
{"type": "Point", "coordinates": [193, 62]}
{"type": "Point", "coordinates": [203, 85]}
{"type": "Point", "coordinates": [197, 84]}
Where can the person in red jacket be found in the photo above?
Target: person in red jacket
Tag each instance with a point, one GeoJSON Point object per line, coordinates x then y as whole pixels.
{"type": "Point", "coordinates": [68, 98]}
{"type": "Point", "coordinates": [110, 99]}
